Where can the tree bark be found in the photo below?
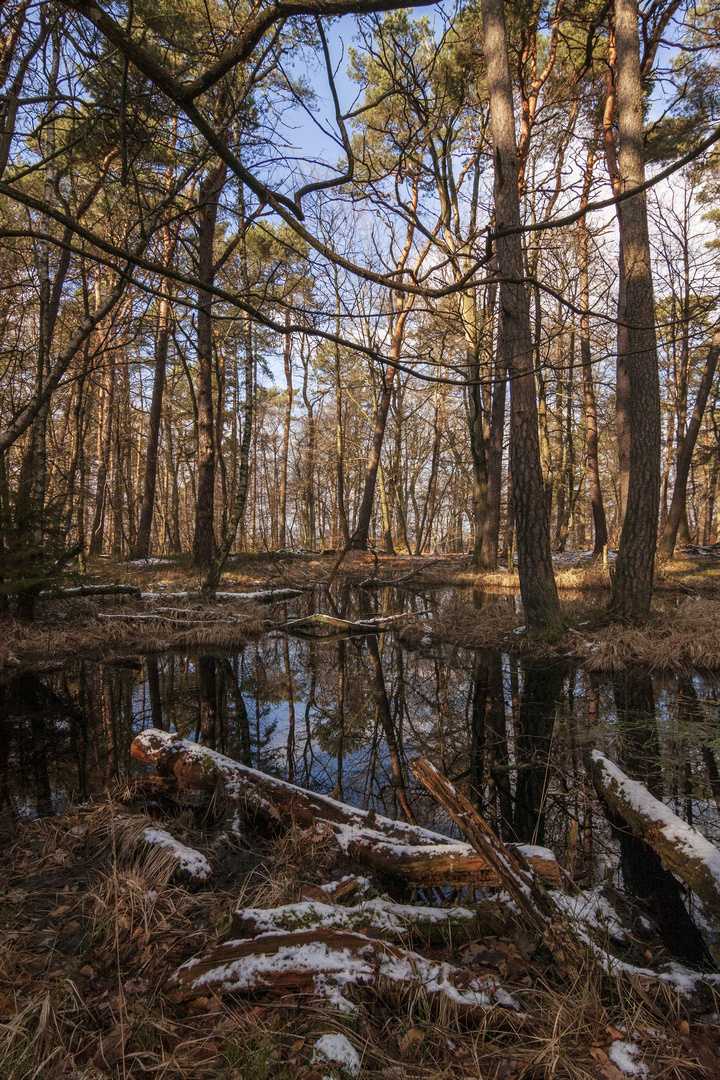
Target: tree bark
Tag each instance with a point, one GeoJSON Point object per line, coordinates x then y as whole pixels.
{"type": "Point", "coordinates": [633, 583]}
{"type": "Point", "coordinates": [537, 583]}
{"type": "Point", "coordinates": [687, 446]}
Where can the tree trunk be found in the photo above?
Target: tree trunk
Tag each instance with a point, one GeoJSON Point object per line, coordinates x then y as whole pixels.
{"type": "Point", "coordinates": [687, 446]}
{"type": "Point", "coordinates": [633, 583]}
{"type": "Point", "coordinates": [104, 447]}
{"type": "Point", "coordinates": [589, 401]}
{"type": "Point", "coordinates": [162, 338]}
{"type": "Point", "coordinates": [537, 583]}
{"type": "Point", "coordinates": [622, 386]}
{"type": "Point", "coordinates": [204, 544]}
{"type": "Point", "coordinates": [491, 530]}
{"type": "Point", "coordinates": [287, 357]}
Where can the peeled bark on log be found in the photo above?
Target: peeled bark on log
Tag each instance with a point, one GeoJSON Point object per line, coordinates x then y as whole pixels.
{"type": "Point", "coordinates": [513, 871]}
{"type": "Point", "coordinates": [407, 852]}
{"type": "Point", "coordinates": [682, 849]}
{"type": "Point", "coordinates": [327, 963]}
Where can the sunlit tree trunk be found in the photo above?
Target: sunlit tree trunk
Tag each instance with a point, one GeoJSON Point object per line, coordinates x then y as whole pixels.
{"type": "Point", "coordinates": [204, 539]}
{"type": "Point", "coordinates": [633, 582]}
{"type": "Point", "coordinates": [537, 583]}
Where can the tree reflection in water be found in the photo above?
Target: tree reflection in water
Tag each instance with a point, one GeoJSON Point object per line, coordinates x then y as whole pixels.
{"type": "Point", "coordinates": [348, 715]}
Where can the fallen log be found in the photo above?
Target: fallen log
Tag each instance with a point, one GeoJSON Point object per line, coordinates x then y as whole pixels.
{"type": "Point", "coordinates": [386, 919]}
{"type": "Point", "coordinates": [513, 871]}
{"type": "Point", "coordinates": [332, 964]}
{"type": "Point", "coordinates": [415, 855]}
{"type": "Point", "coordinates": [682, 849]}
{"type": "Point", "coordinates": [90, 590]}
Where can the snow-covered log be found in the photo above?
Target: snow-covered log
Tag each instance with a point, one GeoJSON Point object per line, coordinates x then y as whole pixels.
{"type": "Point", "coordinates": [334, 964]}
{"type": "Point", "coordinates": [90, 590]}
{"type": "Point", "coordinates": [390, 847]}
{"type": "Point", "coordinates": [682, 849]}
{"type": "Point", "coordinates": [259, 596]}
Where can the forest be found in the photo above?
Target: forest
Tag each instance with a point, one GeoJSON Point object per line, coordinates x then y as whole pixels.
{"type": "Point", "coordinates": [359, 550]}
{"type": "Point", "coordinates": [216, 340]}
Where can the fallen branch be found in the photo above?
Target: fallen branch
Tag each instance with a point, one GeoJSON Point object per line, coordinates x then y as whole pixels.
{"type": "Point", "coordinates": [682, 849]}
{"type": "Point", "coordinates": [401, 851]}
{"type": "Point", "coordinates": [513, 871]}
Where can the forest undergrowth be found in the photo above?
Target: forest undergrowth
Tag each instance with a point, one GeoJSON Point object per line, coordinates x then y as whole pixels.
{"type": "Point", "coordinates": [94, 921]}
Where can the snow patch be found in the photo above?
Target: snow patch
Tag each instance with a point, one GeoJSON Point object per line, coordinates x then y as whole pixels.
{"type": "Point", "coordinates": [623, 1054]}
{"type": "Point", "coordinates": [337, 1050]}
{"type": "Point", "coordinates": [189, 860]}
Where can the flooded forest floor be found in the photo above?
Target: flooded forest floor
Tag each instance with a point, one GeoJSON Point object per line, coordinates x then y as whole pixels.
{"type": "Point", "coordinates": [457, 604]}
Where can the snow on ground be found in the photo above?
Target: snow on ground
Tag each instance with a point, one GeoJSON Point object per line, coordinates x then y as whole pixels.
{"type": "Point", "coordinates": [623, 1054]}
{"type": "Point", "coordinates": [189, 860]}
{"type": "Point", "coordinates": [337, 1050]}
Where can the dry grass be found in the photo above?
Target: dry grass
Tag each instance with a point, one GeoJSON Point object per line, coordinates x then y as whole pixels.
{"type": "Point", "coordinates": [678, 637]}
{"type": "Point", "coordinates": [92, 924]}
{"type": "Point", "coordinates": [77, 628]}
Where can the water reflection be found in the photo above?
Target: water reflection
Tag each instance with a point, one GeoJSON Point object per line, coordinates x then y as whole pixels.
{"type": "Point", "coordinates": [347, 716]}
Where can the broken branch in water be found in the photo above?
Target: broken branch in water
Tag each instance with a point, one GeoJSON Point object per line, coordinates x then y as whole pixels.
{"type": "Point", "coordinates": [513, 872]}
{"type": "Point", "coordinates": [379, 583]}
{"type": "Point", "coordinates": [371, 626]}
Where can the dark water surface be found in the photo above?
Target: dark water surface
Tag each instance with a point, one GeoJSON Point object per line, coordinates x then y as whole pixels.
{"type": "Point", "coordinates": [348, 715]}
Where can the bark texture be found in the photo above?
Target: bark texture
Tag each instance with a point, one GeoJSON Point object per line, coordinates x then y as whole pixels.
{"type": "Point", "coordinates": [633, 582]}
{"type": "Point", "coordinates": [537, 583]}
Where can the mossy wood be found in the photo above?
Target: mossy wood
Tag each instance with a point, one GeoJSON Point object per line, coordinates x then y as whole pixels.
{"type": "Point", "coordinates": [415, 855]}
